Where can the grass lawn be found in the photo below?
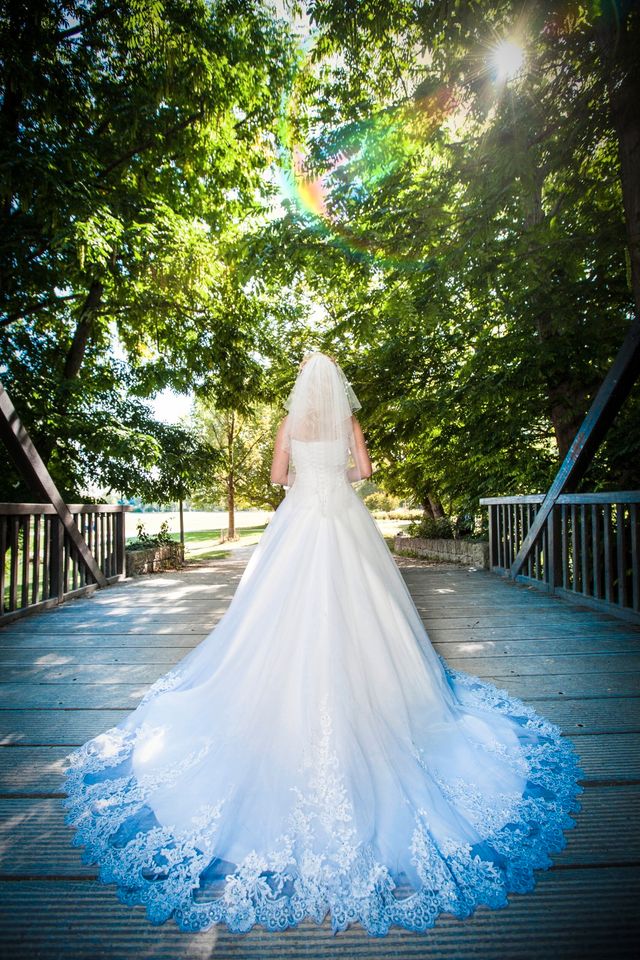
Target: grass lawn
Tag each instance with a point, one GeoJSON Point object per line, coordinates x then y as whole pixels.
{"type": "Point", "coordinates": [205, 544]}
{"type": "Point", "coordinates": [194, 520]}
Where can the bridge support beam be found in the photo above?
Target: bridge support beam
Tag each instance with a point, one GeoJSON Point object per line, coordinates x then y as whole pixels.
{"type": "Point", "coordinates": [30, 464]}
{"type": "Point", "coordinates": [613, 392]}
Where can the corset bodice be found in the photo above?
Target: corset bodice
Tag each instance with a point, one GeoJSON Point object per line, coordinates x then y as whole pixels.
{"type": "Point", "coordinates": [320, 471]}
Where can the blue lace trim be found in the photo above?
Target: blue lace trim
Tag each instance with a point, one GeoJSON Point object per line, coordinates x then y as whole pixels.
{"type": "Point", "coordinates": [174, 873]}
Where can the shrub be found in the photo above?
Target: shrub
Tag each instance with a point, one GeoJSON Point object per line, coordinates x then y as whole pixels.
{"type": "Point", "coordinates": [380, 501]}
{"type": "Point", "coordinates": [446, 528]}
{"type": "Point", "coordinates": [440, 528]}
{"type": "Point", "coordinates": [144, 539]}
{"type": "Point", "coordinates": [399, 514]}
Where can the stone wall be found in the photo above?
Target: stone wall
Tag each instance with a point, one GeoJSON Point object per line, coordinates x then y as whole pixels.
{"type": "Point", "coordinates": [167, 556]}
{"type": "Point", "coordinates": [451, 551]}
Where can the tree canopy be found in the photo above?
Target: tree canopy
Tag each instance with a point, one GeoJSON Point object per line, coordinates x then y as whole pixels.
{"type": "Point", "coordinates": [134, 141]}
{"type": "Point", "coordinates": [464, 229]}
{"type": "Point", "coordinates": [441, 195]}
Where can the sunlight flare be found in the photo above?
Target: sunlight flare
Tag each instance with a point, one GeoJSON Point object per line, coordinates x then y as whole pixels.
{"type": "Point", "coordinates": [507, 59]}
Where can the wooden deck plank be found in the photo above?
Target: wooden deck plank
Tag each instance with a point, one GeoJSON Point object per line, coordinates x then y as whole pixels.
{"type": "Point", "coordinates": [509, 620]}
{"type": "Point", "coordinates": [609, 756]}
{"type": "Point", "coordinates": [495, 667]}
{"type": "Point", "coordinates": [470, 627]}
{"type": "Point", "coordinates": [569, 652]}
{"type": "Point", "coordinates": [32, 771]}
{"type": "Point", "coordinates": [515, 665]}
{"type": "Point", "coordinates": [546, 647]}
{"type": "Point", "coordinates": [530, 628]}
{"type": "Point", "coordinates": [576, 717]}
{"type": "Point", "coordinates": [568, 916]}
{"type": "Point", "coordinates": [432, 614]}
{"type": "Point", "coordinates": [201, 605]}
{"type": "Point", "coordinates": [46, 727]}
{"type": "Point", "coordinates": [107, 694]}
{"type": "Point", "coordinates": [146, 654]}
{"type": "Point", "coordinates": [31, 642]}
{"type": "Point", "coordinates": [144, 626]}
{"type": "Point", "coordinates": [158, 648]}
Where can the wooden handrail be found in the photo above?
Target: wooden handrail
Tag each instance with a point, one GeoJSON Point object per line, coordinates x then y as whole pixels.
{"type": "Point", "coordinates": [588, 547]}
{"type": "Point", "coordinates": [30, 463]}
{"type": "Point", "coordinates": [39, 563]}
{"type": "Point", "coordinates": [606, 496]}
{"type": "Point", "coordinates": [18, 509]}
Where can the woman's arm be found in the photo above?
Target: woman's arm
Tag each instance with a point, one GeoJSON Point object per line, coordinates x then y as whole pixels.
{"type": "Point", "coordinates": [280, 462]}
{"type": "Point", "coordinates": [362, 469]}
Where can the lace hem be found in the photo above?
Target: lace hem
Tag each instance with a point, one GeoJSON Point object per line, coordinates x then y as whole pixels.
{"type": "Point", "coordinates": [176, 874]}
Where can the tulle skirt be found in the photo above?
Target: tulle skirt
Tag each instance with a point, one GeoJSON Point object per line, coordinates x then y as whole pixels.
{"type": "Point", "coordinates": [314, 755]}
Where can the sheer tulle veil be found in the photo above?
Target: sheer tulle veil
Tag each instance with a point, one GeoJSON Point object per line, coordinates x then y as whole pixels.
{"type": "Point", "coordinates": [319, 410]}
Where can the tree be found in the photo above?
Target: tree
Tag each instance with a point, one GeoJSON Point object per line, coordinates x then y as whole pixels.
{"type": "Point", "coordinates": [244, 444]}
{"type": "Point", "coordinates": [133, 139]}
{"type": "Point", "coordinates": [584, 49]}
{"type": "Point", "coordinates": [471, 231]}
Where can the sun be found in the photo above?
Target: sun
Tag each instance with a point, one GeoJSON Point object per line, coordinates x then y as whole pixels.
{"type": "Point", "coordinates": [507, 58]}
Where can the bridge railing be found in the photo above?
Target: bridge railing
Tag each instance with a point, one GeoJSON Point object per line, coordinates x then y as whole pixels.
{"type": "Point", "coordinates": [40, 567]}
{"type": "Point", "coordinates": [588, 549]}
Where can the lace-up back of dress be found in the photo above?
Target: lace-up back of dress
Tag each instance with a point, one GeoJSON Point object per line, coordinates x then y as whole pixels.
{"type": "Point", "coordinates": [319, 471]}
{"type": "Point", "coordinates": [319, 460]}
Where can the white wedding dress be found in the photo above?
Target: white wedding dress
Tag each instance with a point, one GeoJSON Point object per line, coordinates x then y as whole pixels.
{"type": "Point", "coordinates": [314, 754]}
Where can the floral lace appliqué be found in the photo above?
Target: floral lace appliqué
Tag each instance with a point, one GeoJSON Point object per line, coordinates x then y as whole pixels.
{"type": "Point", "coordinates": [318, 866]}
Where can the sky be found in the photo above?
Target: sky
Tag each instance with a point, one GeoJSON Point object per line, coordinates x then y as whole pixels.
{"type": "Point", "coordinates": [170, 407]}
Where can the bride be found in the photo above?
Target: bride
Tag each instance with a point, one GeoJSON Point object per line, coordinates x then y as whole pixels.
{"type": "Point", "coordinates": [313, 754]}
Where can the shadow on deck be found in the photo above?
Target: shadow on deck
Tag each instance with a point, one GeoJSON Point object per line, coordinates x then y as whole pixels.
{"type": "Point", "coordinates": [71, 673]}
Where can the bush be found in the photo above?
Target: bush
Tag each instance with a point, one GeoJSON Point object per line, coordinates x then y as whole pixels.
{"type": "Point", "coordinates": [440, 528]}
{"type": "Point", "coordinates": [446, 528]}
{"type": "Point", "coordinates": [399, 514]}
{"type": "Point", "coordinates": [380, 501]}
{"type": "Point", "coordinates": [145, 540]}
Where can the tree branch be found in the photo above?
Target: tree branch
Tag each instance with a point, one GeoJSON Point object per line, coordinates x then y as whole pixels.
{"type": "Point", "coordinates": [251, 446]}
{"type": "Point", "coordinates": [36, 308]}
{"type": "Point", "coordinates": [89, 22]}
{"type": "Point", "coordinates": [149, 142]}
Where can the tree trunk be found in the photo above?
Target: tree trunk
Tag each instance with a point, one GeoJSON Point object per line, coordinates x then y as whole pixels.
{"type": "Point", "coordinates": [231, 486]}
{"type": "Point", "coordinates": [231, 506]}
{"type": "Point", "coordinates": [437, 510]}
{"type": "Point", "coordinates": [568, 404]}
{"type": "Point", "coordinates": [73, 359]}
{"type": "Point", "coordinates": [619, 45]}
{"type": "Point", "coordinates": [566, 398]}
{"type": "Point", "coordinates": [78, 348]}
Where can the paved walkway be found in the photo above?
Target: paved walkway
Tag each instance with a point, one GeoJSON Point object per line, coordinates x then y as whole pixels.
{"type": "Point", "coordinates": [68, 674]}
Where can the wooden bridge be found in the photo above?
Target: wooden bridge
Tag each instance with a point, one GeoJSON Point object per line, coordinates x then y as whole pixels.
{"type": "Point", "coordinates": [72, 672]}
